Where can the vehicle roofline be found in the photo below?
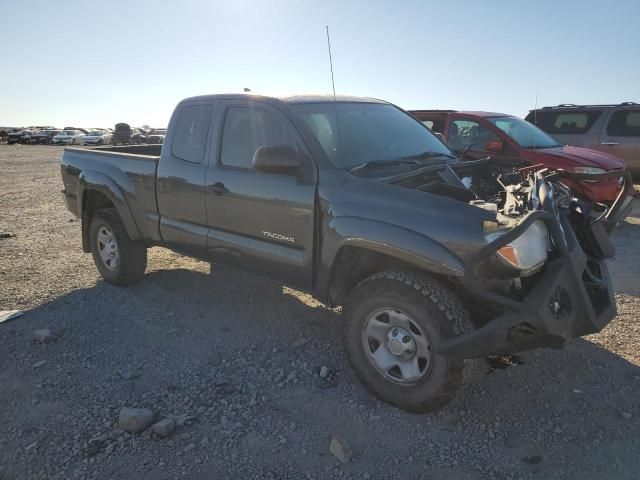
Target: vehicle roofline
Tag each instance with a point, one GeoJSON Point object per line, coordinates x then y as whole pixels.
{"type": "Point", "coordinates": [475, 113]}
{"type": "Point", "coordinates": [294, 99]}
{"type": "Point", "coordinates": [571, 106]}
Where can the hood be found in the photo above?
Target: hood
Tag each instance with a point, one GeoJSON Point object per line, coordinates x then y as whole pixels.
{"type": "Point", "coordinates": [586, 157]}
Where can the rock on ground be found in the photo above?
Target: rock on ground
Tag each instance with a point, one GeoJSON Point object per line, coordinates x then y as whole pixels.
{"type": "Point", "coordinates": [135, 420]}
{"type": "Point", "coordinates": [164, 427]}
{"type": "Point", "coordinates": [340, 449]}
{"type": "Point", "coordinates": [44, 335]}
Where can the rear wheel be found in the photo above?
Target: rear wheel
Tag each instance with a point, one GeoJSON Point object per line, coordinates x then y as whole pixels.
{"type": "Point", "coordinates": [119, 259]}
{"type": "Point", "coordinates": [392, 321]}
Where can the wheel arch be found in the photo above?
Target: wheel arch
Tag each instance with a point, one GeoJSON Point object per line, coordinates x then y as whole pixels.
{"type": "Point", "coordinates": [97, 192]}
{"type": "Point", "coordinates": [365, 247]}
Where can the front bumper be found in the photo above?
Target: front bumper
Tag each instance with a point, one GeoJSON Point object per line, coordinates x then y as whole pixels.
{"type": "Point", "coordinates": [573, 296]}
{"type": "Point", "coordinates": [561, 306]}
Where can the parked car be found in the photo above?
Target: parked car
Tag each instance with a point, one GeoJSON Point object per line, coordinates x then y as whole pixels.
{"type": "Point", "coordinates": [138, 136]}
{"type": "Point", "coordinates": [374, 216]}
{"type": "Point", "coordinates": [68, 137]}
{"type": "Point", "coordinates": [97, 137]}
{"type": "Point", "coordinates": [19, 135]}
{"type": "Point", "coordinates": [82, 130]}
{"type": "Point", "coordinates": [156, 135]}
{"type": "Point", "coordinates": [612, 129]}
{"type": "Point", "coordinates": [121, 134]}
{"type": "Point", "coordinates": [511, 139]}
{"type": "Point", "coordinates": [44, 137]}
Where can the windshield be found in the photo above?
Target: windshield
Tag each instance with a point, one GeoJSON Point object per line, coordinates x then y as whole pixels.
{"type": "Point", "coordinates": [68, 132]}
{"type": "Point", "coordinates": [524, 133]}
{"type": "Point", "coordinates": [367, 132]}
{"type": "Point", "coordinates": [96, 133]}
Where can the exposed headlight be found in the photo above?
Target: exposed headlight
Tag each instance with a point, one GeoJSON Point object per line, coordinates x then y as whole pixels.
{"type": "Point", "coordinates": [527, 252]}
{"type": "Point", "coordinates": [588, 170]}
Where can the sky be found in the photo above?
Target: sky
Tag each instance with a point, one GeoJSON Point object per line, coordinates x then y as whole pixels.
{"type": "Point", "coordinates": [93, 64]}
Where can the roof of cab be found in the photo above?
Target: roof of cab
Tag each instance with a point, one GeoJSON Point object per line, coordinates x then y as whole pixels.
{"type": "Point", "coordinates": [312, 98]}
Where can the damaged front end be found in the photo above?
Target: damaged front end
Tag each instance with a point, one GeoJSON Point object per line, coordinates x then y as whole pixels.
{"type": "Point", "coordinates": [542, 276]}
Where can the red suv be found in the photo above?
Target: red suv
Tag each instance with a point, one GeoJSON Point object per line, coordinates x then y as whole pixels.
{"type": "Point", "coordinates": [481, 134]}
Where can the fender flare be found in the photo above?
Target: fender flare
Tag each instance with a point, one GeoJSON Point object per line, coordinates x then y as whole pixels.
{"type": "Point", "coordinates": [92, 180]}
{"type": "Point", "coordinates": [388, 239]}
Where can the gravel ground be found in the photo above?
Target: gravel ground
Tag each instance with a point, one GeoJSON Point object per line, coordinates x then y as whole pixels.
{"type": "Point", "coordinates": [237, 361]}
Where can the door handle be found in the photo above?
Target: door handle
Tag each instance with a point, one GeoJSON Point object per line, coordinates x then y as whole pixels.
{"type": "Point", "coordinates": [218, 188]}
{"type": "Point", "coordinates": [611, 144]}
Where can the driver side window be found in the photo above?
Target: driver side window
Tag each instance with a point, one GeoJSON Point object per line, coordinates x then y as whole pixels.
{"type": "Point", "coordinates": [247, 129]}
{"type": "Point", "coordinates": [467, 134]}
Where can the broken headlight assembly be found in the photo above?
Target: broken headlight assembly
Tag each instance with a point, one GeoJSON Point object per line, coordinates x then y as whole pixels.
{"type": "Point", "coordinates": [525, 254]}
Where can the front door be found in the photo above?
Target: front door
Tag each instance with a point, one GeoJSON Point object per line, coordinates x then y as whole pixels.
{"type": "Point", "coordinates": [259, 223]}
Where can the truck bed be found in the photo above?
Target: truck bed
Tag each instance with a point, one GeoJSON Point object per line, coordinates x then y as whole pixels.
{"type": "Point", "coordinates": [145, 150]}
{"type": "Point", "coordinates": [129, 170]}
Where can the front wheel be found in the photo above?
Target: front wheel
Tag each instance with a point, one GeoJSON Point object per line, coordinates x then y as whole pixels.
{"type": "Point", "coordinates": [392, 322]}
{"type": "Point", "coordinates": [119, 259]}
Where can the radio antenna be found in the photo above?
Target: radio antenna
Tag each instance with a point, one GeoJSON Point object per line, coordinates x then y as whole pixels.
{"type": "Point", "coordinates": [333, 85]}
{"type": "Point", "coordinates": [535, 114]}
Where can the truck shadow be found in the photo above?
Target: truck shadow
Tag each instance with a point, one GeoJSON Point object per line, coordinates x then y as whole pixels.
{"type": "Point", "coordinates": [188, 318]}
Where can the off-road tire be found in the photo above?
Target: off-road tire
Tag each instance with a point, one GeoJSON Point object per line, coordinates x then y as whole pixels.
{"type": "Point", "coordinates": [437, 310]}
{"type": "Point", "coordinates": [132, 254]}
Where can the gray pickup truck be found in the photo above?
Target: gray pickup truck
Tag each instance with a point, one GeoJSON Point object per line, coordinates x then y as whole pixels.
{"type": "Point", "coordinates": [436, 262]}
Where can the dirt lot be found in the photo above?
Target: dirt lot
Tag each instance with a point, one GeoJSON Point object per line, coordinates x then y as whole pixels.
{"type": "Point", "coordinates": [241, 358]}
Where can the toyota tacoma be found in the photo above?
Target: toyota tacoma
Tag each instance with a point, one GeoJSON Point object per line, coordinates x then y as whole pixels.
{"type": "Point", "coordinates": [436, 262]}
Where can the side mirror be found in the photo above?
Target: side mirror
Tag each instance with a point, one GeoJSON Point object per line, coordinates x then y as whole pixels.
{"type": "Point", "coordinates": [495, 146]}
{"type": "Point", "coordinates": [282, 159]}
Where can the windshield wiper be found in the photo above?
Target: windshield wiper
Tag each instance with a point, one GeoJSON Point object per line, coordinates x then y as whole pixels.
{"type": "Point", "coordinates": [382, 163]}
{"type": "Point", "coordinates": [425, 155]}
{"type": "Point", "coordinates": [406, 160]}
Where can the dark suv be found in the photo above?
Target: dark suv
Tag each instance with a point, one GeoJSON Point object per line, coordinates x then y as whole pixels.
{"type": "Point", "coordinates": [613, 129]}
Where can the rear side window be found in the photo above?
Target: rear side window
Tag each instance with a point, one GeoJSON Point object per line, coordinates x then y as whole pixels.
{"type": "Point", "coordinates": [247, 129]}
{"type": "Point", "coordinates": [191, 131]}
{"type": "Point", "coordinates": [564, 123]}
{"type": "Point", "coordinates": [625, 123]}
